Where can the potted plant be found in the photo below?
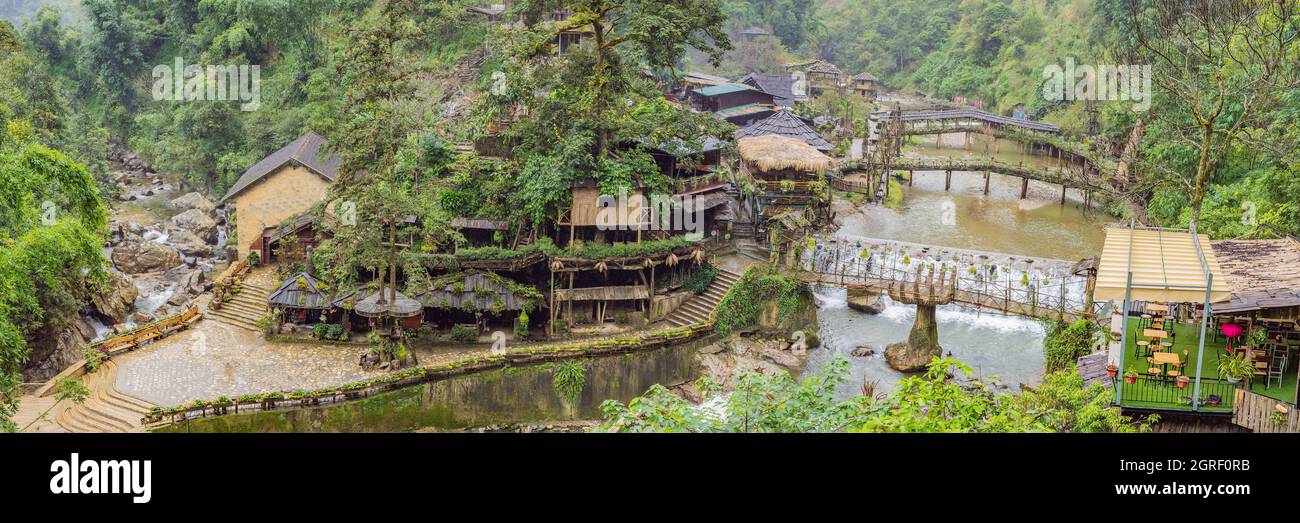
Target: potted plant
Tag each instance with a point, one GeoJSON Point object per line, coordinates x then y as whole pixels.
{"type": "Point", "coordinates": [1130, 377]}
{"type": "Point", "coordinates": [1112, 370]}
{"type": "Point", "coordinates": [1182, 382]}
{"type": "Point", "coordinates": [1235, 368]}
{"type": "Point", "coordinates": [1258, 338]}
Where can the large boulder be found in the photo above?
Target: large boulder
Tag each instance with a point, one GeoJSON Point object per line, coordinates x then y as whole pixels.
{"type": "Point", "coordinates": [193, 201]}
{"type": "Point", "coordinates": [54, 349]}
{"type": "Point", "coordinates": [197, 222]}
{"type": "Point", "coordinates": [141, 257]}
{"type": "Point", "coordinates": [866, 301]}
{"type": "Point", "coordinates": [189, 243]}
{"type": "Point", "coordinates": [115, 298]}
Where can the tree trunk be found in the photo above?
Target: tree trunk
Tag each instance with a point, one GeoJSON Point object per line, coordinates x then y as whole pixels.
{"type": "Point", "coordinates": [1203, 168]}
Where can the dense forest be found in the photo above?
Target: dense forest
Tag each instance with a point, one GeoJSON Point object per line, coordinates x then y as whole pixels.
{"type": "Point", "coordinates": [393, 84]}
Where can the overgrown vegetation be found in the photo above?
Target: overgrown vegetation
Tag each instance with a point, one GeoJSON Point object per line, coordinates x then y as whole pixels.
{"type": "Point", "coordinates": [932, 402]}
{"type": "Point", "coordinates": [760, 286]}
{"type": "Point", "coordinates": [1066, 343]}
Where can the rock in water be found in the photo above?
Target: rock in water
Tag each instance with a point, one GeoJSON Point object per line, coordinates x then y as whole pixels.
{"type": "Point", "coordinates": [782, 358]}
{"type": "Point", "coordinates": [115, 299]}
{"type": "Point", "coordinates": [903, 357]}
{"type": "Point", "coordinates": [862, 352]}
{"type": "Point", "coordinates": [189, 244]}
{"type": "Point", "coordinates": [141, 257]}
{"type": "Point", "coordinates": [193, 201]}
{"type": "Point", "coordinates": [866, 301]}
{"type": "Point", "coordinates": [197, 222]}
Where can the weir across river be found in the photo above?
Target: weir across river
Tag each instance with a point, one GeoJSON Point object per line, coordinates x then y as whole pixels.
{"type": "Point", "coordinates": [934, 275]}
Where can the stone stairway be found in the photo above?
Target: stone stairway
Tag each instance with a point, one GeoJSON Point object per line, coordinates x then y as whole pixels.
{"type": "Point", "coordinates": [700, 308]}
{"type": "Point", "coordinates": [244, 309]}
{"type": "Point", "coordinates": [106, 409]}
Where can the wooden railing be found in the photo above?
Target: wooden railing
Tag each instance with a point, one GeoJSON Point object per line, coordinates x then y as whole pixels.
{"type": "Point", "coordinates": [699, 183]}
{"type": "Point", "coordinates": [866, 272]}
{"type": "Point", "coordinates": [1264, 414]}
{"type": "Point", "coordinates": [790, 186]}
{"type": "Point", "coordinates": [147, 333]}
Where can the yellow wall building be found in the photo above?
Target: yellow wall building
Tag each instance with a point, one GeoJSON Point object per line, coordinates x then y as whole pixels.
{"type": "Point", "coordinates": [283, 185]}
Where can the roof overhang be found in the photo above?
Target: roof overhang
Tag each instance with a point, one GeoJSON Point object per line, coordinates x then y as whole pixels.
{"type": "Point", "coordinates": [1167, 265]}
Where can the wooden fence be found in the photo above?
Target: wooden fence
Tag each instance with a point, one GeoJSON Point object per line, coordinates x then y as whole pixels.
{"type": "Point", "coordinates": [1261, 414]}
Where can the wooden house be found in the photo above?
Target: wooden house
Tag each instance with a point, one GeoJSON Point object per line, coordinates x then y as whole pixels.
{"type": "Point", "coordinates": [279, 187]}
{"type": "Point", "coordinates": [865, 84]}
{"type": "Point", "coordinates": [726, 96]}
{"type": "Point", "coordinates": [821, 76]}
{"type": "Point", "coordinates": [788, 175]}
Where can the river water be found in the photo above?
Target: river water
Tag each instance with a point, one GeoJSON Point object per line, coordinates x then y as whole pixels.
{"type": "Point", "coordinates": [996, 346]}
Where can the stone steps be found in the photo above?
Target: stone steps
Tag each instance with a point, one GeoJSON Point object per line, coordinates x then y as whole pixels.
{"type": "Point", "coordinates": [105, 409]}
{"type": "Point", "coordinates": [244, 309]}
{"type": "Point", "coordinates": [699, 309]}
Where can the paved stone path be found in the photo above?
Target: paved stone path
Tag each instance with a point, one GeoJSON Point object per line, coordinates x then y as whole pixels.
{"type": "Point", "coordinates": [214, 359]}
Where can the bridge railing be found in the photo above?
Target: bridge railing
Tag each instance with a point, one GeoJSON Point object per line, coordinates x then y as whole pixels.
{"type": "Point", "coordinates": [840, 263]}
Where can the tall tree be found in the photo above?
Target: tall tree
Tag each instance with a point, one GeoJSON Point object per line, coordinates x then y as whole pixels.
{"type": "Point", "coordinates": [1220, 66]}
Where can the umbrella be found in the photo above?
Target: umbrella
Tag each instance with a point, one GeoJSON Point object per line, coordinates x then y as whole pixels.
{"type": "Point", "coordinates": [1231, 330]}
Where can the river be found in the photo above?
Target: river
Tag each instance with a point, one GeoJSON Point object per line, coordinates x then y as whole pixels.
{"type": "Point", "coordinates": [1008, 348]}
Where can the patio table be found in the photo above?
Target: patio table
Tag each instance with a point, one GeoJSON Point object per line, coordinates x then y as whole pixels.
{"type": "Point", "coordinates": [1165, 359]}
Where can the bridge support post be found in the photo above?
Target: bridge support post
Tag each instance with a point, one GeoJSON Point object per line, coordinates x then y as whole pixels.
{"type": "Point", "coordinates": [1024, 188]}
{"type": "Point", "coordinates": [947, 180]}
{"type": "Point", "coordinates": [967, 138]}
{"type": "Point", "coordinates": [987, 176]}
{"type": "Point", "coordinates": [1062, 195]}
{"type": "Point", "coordinates": [911, 175]}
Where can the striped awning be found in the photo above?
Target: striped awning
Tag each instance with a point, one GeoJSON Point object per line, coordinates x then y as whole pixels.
{"type": "Point", "coordinates": [1167, 265]}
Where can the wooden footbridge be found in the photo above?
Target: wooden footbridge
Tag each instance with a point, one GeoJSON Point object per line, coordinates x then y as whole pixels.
{"type": "Point", "coordinates": [1076, 166]}
{"type": "Point", "coordinates": [840, 262]}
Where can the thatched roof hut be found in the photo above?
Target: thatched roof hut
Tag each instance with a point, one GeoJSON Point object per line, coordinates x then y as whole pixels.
{"type": "Point", "coordinates": [301, 291]}
{"type": "Point", "coordinates": [774, 152]}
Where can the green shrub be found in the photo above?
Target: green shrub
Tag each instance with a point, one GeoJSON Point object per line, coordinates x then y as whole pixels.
{"type": "Point", "coordinates": [1066, 343]}
{"type": "Point", "coordinates": [463, 334]}
{"type": "Point", "coordinates": [761, 284]}
{"type": "Point", "coordinates": [699, 281]}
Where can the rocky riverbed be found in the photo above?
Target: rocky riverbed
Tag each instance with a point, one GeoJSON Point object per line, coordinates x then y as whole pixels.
{"type": "Point", "coordinates": [164, 245]}
{"type": "Point", "coordinates": [724, 361]}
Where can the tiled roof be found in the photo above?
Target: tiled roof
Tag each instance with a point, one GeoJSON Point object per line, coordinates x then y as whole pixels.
{"type": "Point", "coordinates": [308, 150]}
{"type": "Point", "coordinates": [785, 123]}
{"type": "Point", "coordinates": [780, 86]}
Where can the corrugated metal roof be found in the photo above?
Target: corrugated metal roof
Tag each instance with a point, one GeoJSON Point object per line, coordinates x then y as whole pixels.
{"type": "Point", "coordinates": [715, 90]}
{"type": "Point", "coordinates": [308, 150]}
{"type": "Point", "coordinates": [478, 223]}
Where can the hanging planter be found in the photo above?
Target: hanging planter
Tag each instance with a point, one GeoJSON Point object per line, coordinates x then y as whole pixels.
{"type": "Point", "coordinates": [1182, 382]}
{"type": "Point", "coordinates": [1130, 377]}
{"type": "Point", "coordinates": [1112, 371]}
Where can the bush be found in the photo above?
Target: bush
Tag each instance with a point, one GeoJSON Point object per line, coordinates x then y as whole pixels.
{"type": "Point", "coordinates": [761, 284]}
{"type": "Point", "coordinates": [463, 334]}
{"type": "Point", "coordinates": [1066, 343]}
{"type": "Point", "coordinates": [699, 281]}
